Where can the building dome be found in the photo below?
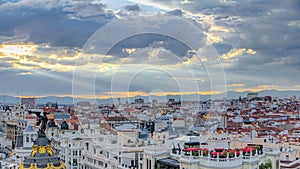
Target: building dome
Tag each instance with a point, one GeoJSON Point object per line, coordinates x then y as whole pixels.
{"type": "Point", "coordinates": [64, 126]}
{"type": "Point", "coordinates": [42, 156]}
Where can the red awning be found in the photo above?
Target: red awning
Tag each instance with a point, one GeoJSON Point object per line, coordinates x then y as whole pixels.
{"type": "Point", "coordinates": [214, 153]}
{"type": "Point", "coordinates": [248, 149]}
{"type": "Point", "coordinates": [192, 149]}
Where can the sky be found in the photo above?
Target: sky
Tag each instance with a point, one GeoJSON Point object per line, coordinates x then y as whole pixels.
{"type": "Point", "coordinates": [121, 48]}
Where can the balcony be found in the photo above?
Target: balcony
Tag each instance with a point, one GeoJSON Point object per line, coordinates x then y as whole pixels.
{"type": "Point", "coordinates": [217, 159]}
{"type": "Point", "coordinates": [221, 162]}
{"type": "Point", "coordinates": [212, 161]}
{"type": "Point", "coordinates": [206, 159]}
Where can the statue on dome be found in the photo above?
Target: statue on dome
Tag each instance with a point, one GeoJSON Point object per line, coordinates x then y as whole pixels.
{"type": "Point", "coordinates": [42, 122]}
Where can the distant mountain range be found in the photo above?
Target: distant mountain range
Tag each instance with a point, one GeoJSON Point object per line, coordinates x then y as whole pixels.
{"type": "Point", "coordinates": [69, 100]}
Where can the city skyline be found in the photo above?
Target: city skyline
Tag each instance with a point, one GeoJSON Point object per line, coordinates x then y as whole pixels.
{"type": "Point", "coordinates": [42, 42]}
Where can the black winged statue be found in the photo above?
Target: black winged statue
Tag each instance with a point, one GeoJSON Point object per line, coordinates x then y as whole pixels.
{"type": "Point", "coordinates": [42, 120]}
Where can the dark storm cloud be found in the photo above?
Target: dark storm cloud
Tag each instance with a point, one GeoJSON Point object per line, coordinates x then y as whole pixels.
{"type": "Point", "coordinates": [256, 24]}
{"type": "Point", "coordinates": [270, 35]}
{"type": "Point", "coordinates": [150, 40]}
{"type": "Point", "coordinates": [176, 12]}
{"type": "Point", "coordinates": [56, 26]}
{"type": "Point", "coordinates": [269, 27]}
{"type": "Point", "coordinates": [264, 26]}
{"type": "Point", "coordinates": [135, 8]}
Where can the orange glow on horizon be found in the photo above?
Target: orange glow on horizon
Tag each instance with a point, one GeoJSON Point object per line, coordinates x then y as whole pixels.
{"type": "Point", "coordinates": [110, 95]}
{"type": "Point", "coordinates": [114, 95]}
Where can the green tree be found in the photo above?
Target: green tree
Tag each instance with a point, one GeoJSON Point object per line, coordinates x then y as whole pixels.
{"type": "Point", "coordinates": [267, 165]}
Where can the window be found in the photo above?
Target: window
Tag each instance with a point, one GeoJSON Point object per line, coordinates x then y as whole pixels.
{"type": "Point", "coordinates": [74, 161]}
{"type": "Point", "coordinates": [87, 146]}
{"type": "Point", "coordinates": [100, 163]}
{"type": "Point", "coordinates": [148, 164]}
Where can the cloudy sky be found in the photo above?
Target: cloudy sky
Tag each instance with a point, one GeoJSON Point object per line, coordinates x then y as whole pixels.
{"type": "Point", "coordinates": [119, 48]}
